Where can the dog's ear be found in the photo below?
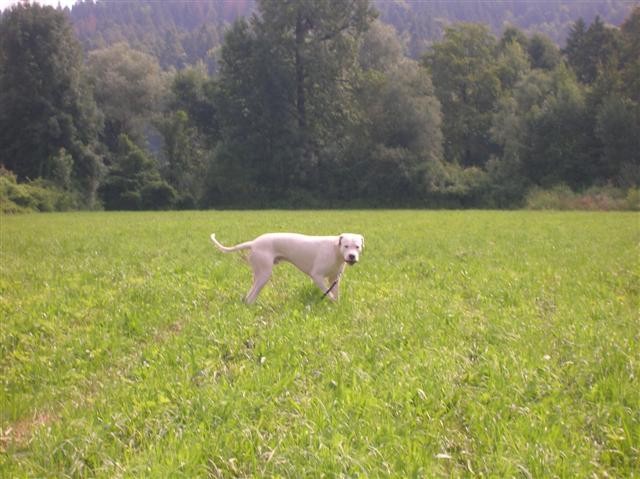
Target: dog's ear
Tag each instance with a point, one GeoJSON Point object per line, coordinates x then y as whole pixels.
{"type": "Point", "coordinates": [340, 241]}
{"type": "Point", "coordinates": [361, 241]}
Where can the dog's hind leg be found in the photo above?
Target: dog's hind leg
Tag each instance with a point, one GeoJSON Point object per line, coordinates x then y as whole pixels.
{"type": "Point", "coordinates": [262, 267]}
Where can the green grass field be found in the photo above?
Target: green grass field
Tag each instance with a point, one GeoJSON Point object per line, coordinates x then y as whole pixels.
{"type": "Point", "coordinates": [503, 344]}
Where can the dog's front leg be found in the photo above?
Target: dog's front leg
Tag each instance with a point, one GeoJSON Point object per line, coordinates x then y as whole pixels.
{"type": "Point", "coordinates": [334, 284]}
{"type": "Point", "coordinates": [322, 284]}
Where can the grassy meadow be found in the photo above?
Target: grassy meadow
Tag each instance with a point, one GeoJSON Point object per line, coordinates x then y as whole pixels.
{"type": "Point", "coordinates": [502, 344]}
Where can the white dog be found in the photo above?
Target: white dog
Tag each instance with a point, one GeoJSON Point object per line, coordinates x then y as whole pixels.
{"type": "Point", "coordinates": [321, 257]}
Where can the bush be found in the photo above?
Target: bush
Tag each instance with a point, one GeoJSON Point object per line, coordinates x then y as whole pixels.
{"type": "Point", "coordinates": [185, 202]}
{"type": "Point", "coordinates": [633, 199]}
{"type": "Point", "coordinates": [158, 195]}
{"type": "Point", "coordinates": [561, 197]}
{"type": "Point", "coordinates": [38, 195]}
{"type": "Point", "coordinates": [129, 201]}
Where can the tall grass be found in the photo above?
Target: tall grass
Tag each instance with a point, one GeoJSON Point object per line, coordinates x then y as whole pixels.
{"type": "Point", "coordinates": [465, 343]}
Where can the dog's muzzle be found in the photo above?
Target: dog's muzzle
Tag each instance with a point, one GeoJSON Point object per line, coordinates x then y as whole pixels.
{"type": "Point", "coordinates": [351, 259]}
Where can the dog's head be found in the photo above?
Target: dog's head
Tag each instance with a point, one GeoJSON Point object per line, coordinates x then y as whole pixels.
{"type": "Point", "coordinates": [351, 245]}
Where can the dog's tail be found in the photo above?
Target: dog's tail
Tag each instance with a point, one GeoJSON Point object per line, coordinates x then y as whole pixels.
{"type": "Point", "coordinates": [231, 249]}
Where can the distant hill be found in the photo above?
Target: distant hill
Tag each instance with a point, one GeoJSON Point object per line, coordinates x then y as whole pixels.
{"type": "Point", "coordinates": [421, 22]}
{"type": "Point", "coordinates": [180, 33]}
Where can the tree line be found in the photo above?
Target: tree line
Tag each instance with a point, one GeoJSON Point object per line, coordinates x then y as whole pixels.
{"type": "Point", "coordinates": [316, 103]}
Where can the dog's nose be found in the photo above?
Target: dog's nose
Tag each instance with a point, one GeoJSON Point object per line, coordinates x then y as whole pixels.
{"type": "Point", "coordinates": [351, 257]}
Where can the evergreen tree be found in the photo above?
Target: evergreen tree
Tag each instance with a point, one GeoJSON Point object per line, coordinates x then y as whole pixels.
{"type": "Point", "coordinates": [630, 55]}
{"type": "Point", "coordinates": [591, 50]}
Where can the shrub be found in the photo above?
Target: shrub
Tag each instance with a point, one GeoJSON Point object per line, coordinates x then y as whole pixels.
{"type": "Point", "coordinates": [158, 195]}
{"type": "Point", "coordinates": [561, 197]}
{"type": "Point", "coordinates": [185, 202]}
{"type": "Point", "coordinates": [633, 199]}
{"type": "Point", "coordinates": [38, 195]}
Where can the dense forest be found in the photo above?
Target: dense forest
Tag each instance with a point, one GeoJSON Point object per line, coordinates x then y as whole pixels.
{"type": "Point", "coordinates": [316, 103]}
{"type": "Point", "coordinates": [179, 33]}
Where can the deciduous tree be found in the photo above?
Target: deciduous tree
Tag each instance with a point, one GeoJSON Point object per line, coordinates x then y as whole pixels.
{"type": "Point", "coordinates": [466, 80]}
{"type": "Point", "coordinates": [45, 102]}
{"type": "Point", "coordinates": [128, 86]}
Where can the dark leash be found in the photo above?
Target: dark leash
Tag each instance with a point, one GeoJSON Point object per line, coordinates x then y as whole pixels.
{"type": "Point", "coordinates": [333, 285]}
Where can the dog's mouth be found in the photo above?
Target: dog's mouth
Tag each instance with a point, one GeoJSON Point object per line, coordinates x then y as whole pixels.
{"type": "Point", "coordinates": [351, 261]}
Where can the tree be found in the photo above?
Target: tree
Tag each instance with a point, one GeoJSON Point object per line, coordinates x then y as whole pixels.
{"type": "Point", "coordinates": [285, 93]}
{"type": "Point", "coordinates": [576, 48]}
{"type": "Point", "coordinates": [630, 55]}
{"type": "Point", "coordinates": [466, 80]}
{"type": "Point", "coordinates": [381, 49]}
{"type": "Point", "coordinates": [590, 50]}
{"type": "Point", "coordinates": [256, 154]}
{"type": "Point", "coordinates": [45, 103]}
{"type": "Point", "coordinates": [510, 130]}
{"type": "Point", "coordinates": [319, 39]}
{"type": "Point", "coordinates": [395, 145]}
{"type": "Point", "coordinates": [404, 135]}
{"type": "Point", "coordinates": [558, 145]}
{"type": "Point", "coordinates": [133, 182]}
{"type": "Point", "coordinates": [128, 86]}
{"type": "Point", "coordinates": [543, 53]}
{"type": "Point", "coordinates": [189, 128]}
{"type": "Point", "coordinates": [511, 65]}
{"type": "Point", "coordinates": [617, 127]}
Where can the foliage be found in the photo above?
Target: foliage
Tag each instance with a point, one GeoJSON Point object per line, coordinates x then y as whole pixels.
{"type": "Point", "coordinates": [37, 195]}
{"type": "Point", "coordinates": [423, 23]}
{"type": "Point", "coordinates": [562, 197]}
{"type": "Point", "coordinates": [45, 102]}
{"type": "Point", "coordinates": [499, 343]}
{"type": "Point", "coordinates": [128, 85]}
{"type": "Point", "coordinates": [467, 84]}
{"type": "Point", "coordinates": [178, 34]}
{"type": "Point", "coordinates": [394, 143]}
{"type": "Point", "coordinates": [285, 96]}
{"type": "Point", "coordinates": [316, 103]}
{"type": "Point", "coordinates": [591, 50]}
{"type": "Point", "coordinates": [133, 182]}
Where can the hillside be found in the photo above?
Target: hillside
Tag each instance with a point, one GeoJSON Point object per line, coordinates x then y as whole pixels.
{"type": "Point", "coordinates": [422, 22]}
{"type": "Point", "coordinates": [180, 33]}
{"type": "Point", "coordinates": [177, 33]}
